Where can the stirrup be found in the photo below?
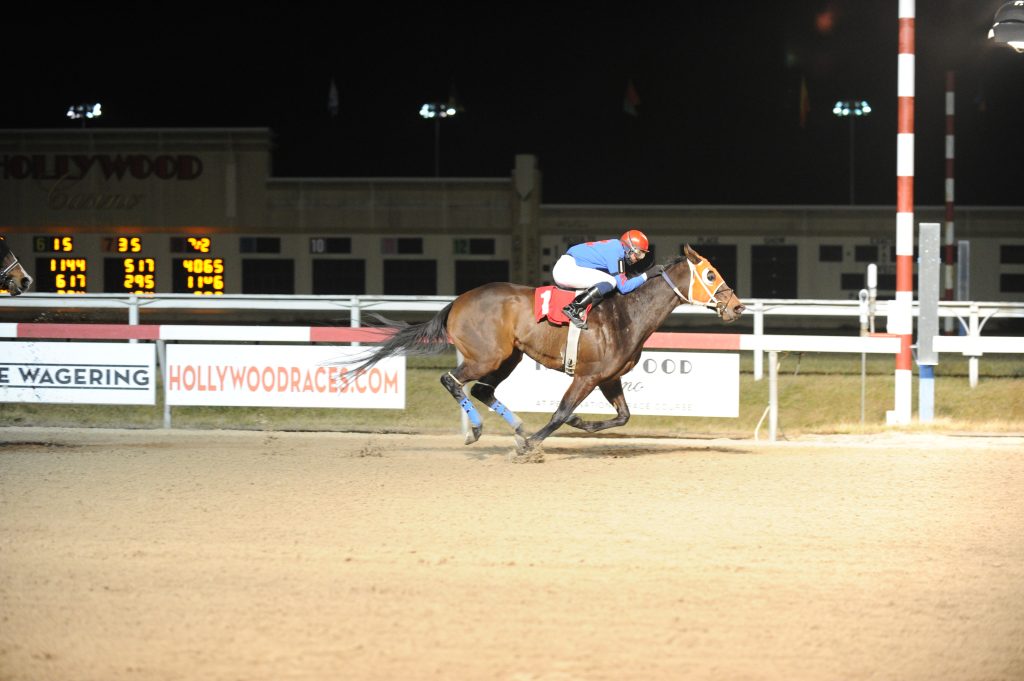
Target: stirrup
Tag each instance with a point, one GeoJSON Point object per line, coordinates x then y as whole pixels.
{"type": "Point", "coordinates": [575, 317]}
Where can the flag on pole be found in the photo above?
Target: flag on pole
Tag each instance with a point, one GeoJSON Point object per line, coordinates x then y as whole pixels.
{"type": "Point", "coordinates": [332, 99]}
{"type": "Point", "coordinates": [805, 102]}
{"type": "Point", "coordinates": [631, 100]}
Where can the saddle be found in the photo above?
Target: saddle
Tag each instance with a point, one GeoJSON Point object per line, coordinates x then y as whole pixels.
{"type": "Point", "coordinates": [548, 302]}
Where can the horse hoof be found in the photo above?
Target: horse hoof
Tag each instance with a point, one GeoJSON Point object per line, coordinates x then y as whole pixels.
{"type": "Point", "coordinates": [526, 452]}
{"type": "Point", "coordinates": [473, 435]}
{"type": "Point", "coordinates": [529, 456]}
{"type": "Point", "coordinates": [521, 446]}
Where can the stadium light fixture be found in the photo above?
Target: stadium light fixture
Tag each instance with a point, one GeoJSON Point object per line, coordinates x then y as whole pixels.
{"type": "Point", "coordinates": [84, 112]}
{"type": "Point", "coordinates": [1008, 26]}
{"type": "Point", "coordinates": [436, 111]}
{"type": "Point", "coordinates": [852, 109]}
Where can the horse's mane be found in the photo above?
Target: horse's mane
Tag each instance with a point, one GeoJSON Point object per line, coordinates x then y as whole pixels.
{"type": "Point", "coordinates": [641, 298]}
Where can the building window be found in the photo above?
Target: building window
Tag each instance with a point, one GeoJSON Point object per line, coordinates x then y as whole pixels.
{"type": "Point", "coordinates": [401, 246]}
{"type": "Point", "coordinates": [327, 245]}
{"type": "Point", "coordinates": [410, 277]}
{"type": "Point", "coordinates": [1011, 254]}
{"type": "Point", "coordinates": [473, 246]}
{"type": "Point", "coordinates": [472, 273]}
{"type": "Point", "coordinates": [887, 282]}
{"type": "Point", "coordinates": [773, 270]}
{"type": "Point", "coordinates": [339, 277]}
{"type": "Point", "coordinates": [865, 253]}
{"type": "Point", "coordinates": [272, 277]}
{"type": "Point", "coordinates": [852, 281]}
{"type": "Point", "coordinates": [259, 244]}
{"type": "Point", "coordinates": [830, 253]}
{"type": "Point", "coordinates": [1011, 283]}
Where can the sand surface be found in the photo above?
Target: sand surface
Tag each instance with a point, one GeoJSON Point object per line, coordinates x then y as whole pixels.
{"type": "Point", "coordinates": [269, 555]}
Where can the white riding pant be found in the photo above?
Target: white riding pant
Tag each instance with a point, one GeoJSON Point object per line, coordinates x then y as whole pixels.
{"type": "Point", "coordinates": [568, 274]}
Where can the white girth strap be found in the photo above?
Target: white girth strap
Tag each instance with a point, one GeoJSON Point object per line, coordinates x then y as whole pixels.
{"type": "Point", "coordinates": [572, 344]}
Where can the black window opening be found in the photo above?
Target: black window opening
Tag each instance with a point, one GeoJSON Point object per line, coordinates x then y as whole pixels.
{"type": "Point", "coordinates": [473, 247]}
{"type": "Point", "coordinates": [472, 273]}
{"type": "Point", "coordinates": [1011, 254]}
{"type": "Point", "coordinates": [887, 282]}
{"type": "Point", "coordinates": [329, 245]}
{"type": "Point", "coordinates": [773, 270]}
{"type": "Point", "coordinates": [1011, 283]}
{"type": "Point", "coordinates": [272, 277]}
{"type": "Point", "coordinates": [865, 253]}
{"type": "Point", "coordinates": [830, 253]}
{"type": "Point", "coordinates": [723, 257]}
{"type": "Point", "coordinates": [259, 244]}
{"type": "Point", "coordinates": [334, 277]}
{"type": "Point", "coordinates": [401, 246]}
{"type": "Point", "coordinates": [410, 277]}
{"type": "Point", "coordinates": [852, 281]}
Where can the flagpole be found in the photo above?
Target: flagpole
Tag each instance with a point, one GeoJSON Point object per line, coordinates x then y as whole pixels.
{"type": "Point", "coordinates": [437, 146]}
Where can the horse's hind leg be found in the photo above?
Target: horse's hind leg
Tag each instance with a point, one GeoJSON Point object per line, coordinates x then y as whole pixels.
{"type": "Point", "coordinates": [485, 386]}
{"type": "Point", "coordinates": [454, 386]}
{"type": "Point", "coordinates": [612, 391]}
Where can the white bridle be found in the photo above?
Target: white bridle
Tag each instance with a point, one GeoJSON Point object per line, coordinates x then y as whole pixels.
{"type": "Point", "coordinates": [711, 303]}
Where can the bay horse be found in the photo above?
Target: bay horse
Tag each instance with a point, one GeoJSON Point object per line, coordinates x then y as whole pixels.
{"type": "Point", "coordinates": [13, 277]}
{"type": "Point", "coordinates": [494, 325]}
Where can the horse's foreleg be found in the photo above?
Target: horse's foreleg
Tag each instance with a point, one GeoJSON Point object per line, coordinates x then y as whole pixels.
{"type": "Point", "coordinates": [577, 392]}
{"type": "Point", "coordinates": [612, 391]}
{"type": "Point", "coordinates": [454, 386]}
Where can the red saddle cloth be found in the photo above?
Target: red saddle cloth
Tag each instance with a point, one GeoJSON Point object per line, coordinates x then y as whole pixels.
{"type": "Point", "coordinates": [548, 301]}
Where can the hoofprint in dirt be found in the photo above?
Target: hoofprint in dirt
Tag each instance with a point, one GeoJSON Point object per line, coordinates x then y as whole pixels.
{"type": "Point", "coordinates": [267, 555]}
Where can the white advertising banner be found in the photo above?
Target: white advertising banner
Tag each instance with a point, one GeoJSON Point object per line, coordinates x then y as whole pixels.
{"type": "Point", "coordinates": [661, 384]}
{"type": "Point", "coordinates": [280, 376]}
{"type": "Point", "coordinates": [78, 373]}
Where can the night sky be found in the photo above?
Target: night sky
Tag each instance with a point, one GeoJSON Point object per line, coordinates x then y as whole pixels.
{"type": "Point", "coordinates": [718, 118]}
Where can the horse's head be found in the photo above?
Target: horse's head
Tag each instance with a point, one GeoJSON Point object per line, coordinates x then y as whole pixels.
{"type": "Point", "coordinates": [13, 276]}
{"type": "Point", "coordinates": [708, 287]}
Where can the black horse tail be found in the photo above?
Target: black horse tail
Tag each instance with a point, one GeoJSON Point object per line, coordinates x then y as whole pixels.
{"type": "Point", "coordinates": [427, 338]}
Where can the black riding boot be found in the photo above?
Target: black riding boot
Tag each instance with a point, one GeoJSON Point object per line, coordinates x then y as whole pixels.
{"type": "Point", "coordinates": [574, 310]}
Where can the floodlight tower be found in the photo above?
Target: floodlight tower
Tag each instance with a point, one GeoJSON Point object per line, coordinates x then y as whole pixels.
{"type": "Point", "coordinates": [852, 109]}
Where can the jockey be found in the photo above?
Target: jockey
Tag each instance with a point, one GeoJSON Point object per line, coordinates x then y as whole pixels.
{"type": "Point", "coordinates": [599, 267]}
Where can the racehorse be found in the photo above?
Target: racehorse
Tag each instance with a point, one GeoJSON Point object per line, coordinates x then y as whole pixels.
{"type": "Point", "coordinates": [494, 325]}
{"type": "Point", "coordinates": [13, 277]}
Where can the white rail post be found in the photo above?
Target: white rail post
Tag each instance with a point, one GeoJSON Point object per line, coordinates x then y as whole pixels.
{"type": "Point", "coordinates": [863, 297]}
{"type": "Point", "coordinates": [355, 316]}
{"type": "Point", "coordinates": [929, 264]}
{"type": "Point", "coordinates": [758, 335]}
{"type": "Point", "coordinates": [133, 313]}
{"type": "Point", "coordinates": [773, 394]}
{"type": "Point", "coordinates": [161, 358]}
{"type": "Point", "coordinates": [973, 332]}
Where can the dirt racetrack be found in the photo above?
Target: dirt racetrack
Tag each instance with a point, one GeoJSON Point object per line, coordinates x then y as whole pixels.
{"type": "Point", "coordinates": [270, 555]}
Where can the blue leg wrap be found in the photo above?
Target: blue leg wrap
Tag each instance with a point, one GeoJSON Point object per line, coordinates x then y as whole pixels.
{"type": "Point", "coordinates": [507, 414]}
{"type": "Point", "coordinates": [468, 407]}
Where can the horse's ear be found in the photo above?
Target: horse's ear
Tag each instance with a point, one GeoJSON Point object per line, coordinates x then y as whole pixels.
{"type": "Point", "coordinates": [691, 254]}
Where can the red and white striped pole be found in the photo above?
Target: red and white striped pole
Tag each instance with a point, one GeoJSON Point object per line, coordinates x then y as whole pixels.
{"type": "Point", "coordinates": [949, 252]}
{"type": "Point", "coordinates": [900, 318]}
